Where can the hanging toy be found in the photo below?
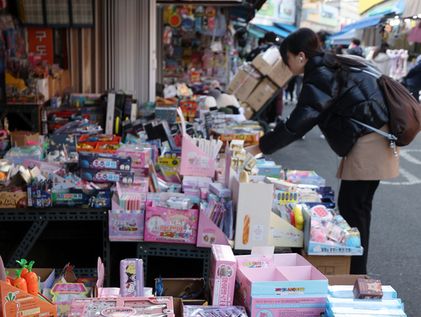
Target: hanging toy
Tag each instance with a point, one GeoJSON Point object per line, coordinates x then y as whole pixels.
{"type": "Point", "coordinates": [168, 12]}
{"type": "Point", "coordinates": [210, 13]}
{"type": "Point", "coordinates": [187, 23]}
{"type": "Point", "coordinates": [167, 36]}
{"type": "Point", "coordinates": [175, 19]}
{"type": "Point", "coordinates": [198, 22]}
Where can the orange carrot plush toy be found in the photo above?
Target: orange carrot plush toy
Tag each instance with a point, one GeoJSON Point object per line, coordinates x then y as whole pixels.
{"type": "Point", "coordinates": [31, 280]}
{"type": "Point", "coordinates": [20, 282]}
{"type": "Point", "coordinates": [23, 264]}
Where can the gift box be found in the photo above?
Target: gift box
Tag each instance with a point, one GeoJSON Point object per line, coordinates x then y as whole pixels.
{"type": "Point", "coordinates": [367, 288]}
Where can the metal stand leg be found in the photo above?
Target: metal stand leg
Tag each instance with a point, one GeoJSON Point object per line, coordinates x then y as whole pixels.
{"type": "Point", "coordinates": [106, 250]}
{"type": "Point", "coordinates": [28, 241]}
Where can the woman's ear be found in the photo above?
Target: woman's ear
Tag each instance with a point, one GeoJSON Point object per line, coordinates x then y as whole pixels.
{"type": "Point", "coordinates": [302, 57]}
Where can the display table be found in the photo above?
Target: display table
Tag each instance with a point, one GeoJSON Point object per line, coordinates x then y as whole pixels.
{"type": "Point", "coordinates": [40, 218]}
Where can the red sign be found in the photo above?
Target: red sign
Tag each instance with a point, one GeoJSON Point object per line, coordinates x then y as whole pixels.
{"type": "Point", "coordinates": [41, 43]}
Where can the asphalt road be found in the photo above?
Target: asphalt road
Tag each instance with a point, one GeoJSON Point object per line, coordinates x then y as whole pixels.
{"type": "Point", "coordinates": [395, 250]}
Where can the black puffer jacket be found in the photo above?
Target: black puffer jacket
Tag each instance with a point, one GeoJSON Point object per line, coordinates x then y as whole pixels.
{"type": "Point", "coordinates": [329, 98]}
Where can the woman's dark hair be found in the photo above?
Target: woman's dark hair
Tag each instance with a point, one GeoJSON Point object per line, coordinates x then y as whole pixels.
{"type": "Point", "coordinates": [303, 40]}
{"type": "Point", "coordinates": [356, 41]}
{"type": "Point", "coordinates": [382, 49]}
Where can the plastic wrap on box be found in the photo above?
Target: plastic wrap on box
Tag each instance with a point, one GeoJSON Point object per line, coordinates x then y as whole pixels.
{"type": "Point", "coordinates": [214, 311]}
{"type": "Point", "coordinates": [141, 155]}
{"type": "Point", "coordinates": [107, 176]}
{"type": "Point", "coordinates": [131, 306]}
{"type": "Point", "coordinates": [131, 277]}
{"type": "Point", "coordinates": [170, 225]}
{"type": "Point", "coordinates": [78, 197]}
{"type": "Point", "coordinates": [126, 225]}
{"type": "Point", "coordinates": [223, 271]}
{"type": "Point", "coordinates": [104, 161]}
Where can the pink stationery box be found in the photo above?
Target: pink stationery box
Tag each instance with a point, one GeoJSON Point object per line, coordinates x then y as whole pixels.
{"type": "Point", "coordinates": [170, 225]}
{"type": "Point", "coordinates": [123, 306]}
{"type": "Point", "coordinates": [291, 307]}
{"type": "Point", "coordinates": [141, 156]}
{"type": "Point", "coordinates": [194, 161]}
{"type": "Point", "coordinates": [280, 275]}
{"type": "Point", "coordinates": [223, 272]}
{"type": "Point", "coordinates": [281, 259]}
{"type": "Point", "coordinates": [209, 233]}
{"type": "Point", "coordinates": [126, 225]}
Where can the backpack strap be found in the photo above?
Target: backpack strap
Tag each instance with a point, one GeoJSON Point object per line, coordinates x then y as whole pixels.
{"type": "Point", "coordinates": [392, 139]}
{"type": "Point", "coordinates": [388, 136]}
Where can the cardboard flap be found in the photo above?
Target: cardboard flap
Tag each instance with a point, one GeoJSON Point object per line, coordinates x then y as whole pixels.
{"type": "Point", "coordinates": [2, 270]}
{"type": "Point", "coordinates": [194, 161]}
{"type": "Point", "coordinates": [283, 234]}
{"type": "Point", "coordinates": [209, 233]}
{"type": "Point", "coordinates": [101, 273]}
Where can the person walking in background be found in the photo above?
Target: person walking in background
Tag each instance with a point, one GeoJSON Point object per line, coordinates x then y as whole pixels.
{"type": "Point", "coordinates": [264, 43]}
{"type": "Point", "coordinates": [355, 48]}
{"type": "Point", "coordinates": [289, 91]}
{"type": "Point", "coordinates": [412, 81]}
{"type": "Point", "coordinates": [330, 97]}
{"type": "Point", "coordinates": [380, 59]}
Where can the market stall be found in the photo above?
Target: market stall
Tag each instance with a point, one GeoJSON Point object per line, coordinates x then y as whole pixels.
{"type": "Point", "coordinates": [173, 181]}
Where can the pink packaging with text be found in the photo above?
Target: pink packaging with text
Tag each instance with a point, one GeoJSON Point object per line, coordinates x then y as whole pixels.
{"type": "Point", "coordinates": [223, 272]}
{"type": "Point", "coordinates": [170, 225]}
{"type": "Point", "coordinates": [287, 307]}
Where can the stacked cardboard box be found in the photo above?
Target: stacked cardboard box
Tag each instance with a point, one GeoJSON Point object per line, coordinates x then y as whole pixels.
{"type": "Point", "coordinates": [256, 83]}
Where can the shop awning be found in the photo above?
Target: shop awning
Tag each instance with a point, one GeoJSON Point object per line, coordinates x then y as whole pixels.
{"type": "Point", "coordinates": [412, 8]}
{"type": "Point", "coordinates": [342, 38]}
{"type": "Point", "coordinates": [272, 28]}
{"type": "Point", "coordinates": [387, 8]}
{"type": "Point", "coordinates": [287, 27]}
{"type": "Point", "coordinates": [376, 14]}
{"type": "Point", "coordinates": [256, 32]}
{"type": "Point", "coordinates": [363, 23]}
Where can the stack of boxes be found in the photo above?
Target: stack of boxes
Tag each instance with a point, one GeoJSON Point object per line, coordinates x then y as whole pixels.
{"type": "Point", "coordinates": [280, 285]}
{"type": "Point", "coordinates": [342, 302]}
{"type": "Point", "coordinates": [256, 83]}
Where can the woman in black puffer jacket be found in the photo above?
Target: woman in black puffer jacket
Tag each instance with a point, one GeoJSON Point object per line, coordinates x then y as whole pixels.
{"type": "Point", "coordinates": [330, 97]}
